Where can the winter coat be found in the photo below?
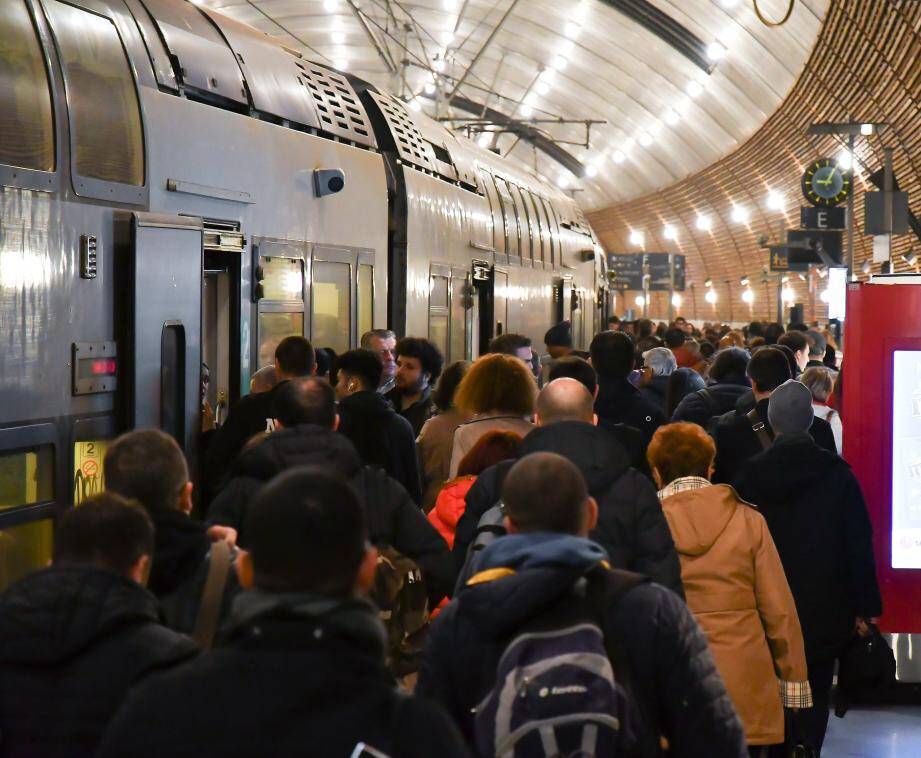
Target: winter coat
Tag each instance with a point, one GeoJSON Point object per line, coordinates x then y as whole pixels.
{"type": "Point", "coordinates": [736, 442]}
{"type": "Point", "coordinates": [815, 510]}
{"type": "Point", "coordinates": [834, 421]}
{"type": "Point", "coordinates": [468, 434]}
{"type": "Point", "coordinates": [434, 446]}
{"type": "Point", "coordinates": [695, 409]}
{"type": "Point", "coordinates": [73, 641]}
{"type": "Point", "coordinates": [299, 675]}
{"type": "Point", "coordinates": [663, 655]}
{"type": "Point", "coordinates": [631, 526]}
{"type": "Point", "coordinates": [417, 413]}
{"type": "Point", "coordinates": [619, 402]}
{"type": "Point", "coordinates": [393, 519]}
{"type": "Point", "coordinates": [382, 438]}
{"type": "Point", "coordinates": [449, 507]}
{"type": "Point", "coordinates": [179, 569]}
{"type": "Point", "coordinates": [655, 390]}
{"type": "Point", "coordinates": [735, 586]}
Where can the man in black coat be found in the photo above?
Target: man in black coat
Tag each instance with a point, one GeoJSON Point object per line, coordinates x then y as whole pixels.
{"type": "Point", "coordinates": [631, 526]}
{"type": "Point", "coordinates": [252, 414]}
{"type": "Point", "coordinates": [301, 671]}
{"type": "Point", "coordinates": [735, 432]}
{"type": "Point", "coordinates": [306, 414]}
{"type": "Point", "coordinates": [815, 510]}
{"type": "Point", "coordinates": [75, 637]}
{"type": "Point", "coordinates": [419, 365]}
{"type": "Point", "coordinates": [618, 401]}
{"type": "Point", "coordinates": [147, 465]}
{"type": "Point", "coordinates": [536, 572]}
{"type": "Point", "coordinates": [728, 383]}
{"type": "Point", "coordinates": [381, 436]}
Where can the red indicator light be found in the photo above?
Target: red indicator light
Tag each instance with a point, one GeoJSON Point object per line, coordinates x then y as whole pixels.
{"type": "Point", "coordinates": [102, 367]}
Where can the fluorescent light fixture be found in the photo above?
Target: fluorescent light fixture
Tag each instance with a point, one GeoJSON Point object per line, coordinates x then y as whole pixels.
{"type": "Point", "coordinates": [640, 301]}
{"type": "Point", "coordinates": [748, 296]}
{"type": "Point", "coordinates": [526, 110]}
{"type": "Point", "coordinates": [446, 37]}
{"type": "Point", "coordinates": [415, 105]}
{"type": "Point", "coordinates": [542, 88]}
{"type": "Point", "coordinates": [338, 38]}
{"type": "Point", "coordinates": [438, 64]}
{"type": "Point", "coordinates": [429, 88]}
{"type": "Point", "coordinates": [567, 47]}
{"type": "Point", "coordinates": [484, 139]}
{"type": "Point", "coordinates": [330, 5]}
{"type": "Point", "coordinates": [703, 223]}
{"type": "Point", "coordinates": [676, 300]}
{"type": "Point", "coordinates": [844, 160]}
{"type": "Point", "coordinates": [669, 232]}
{"type": "Point", "coordinates": [530, 98]}
{"type": "Point", "coordinates": [572, 29]}
{"type": "Point", "coordinates": [618, 156]}
{"type": "Point", "coordinates": [694, 88]}
{"type": "Point", "coordinates": [715, 51]}
{"type": "Point", "coordinates": [449, 5]}
{"type": "Point", "coordinates": [775, 201]}
{"type": "Point", "coordinates": [343, 63]}
{"type": "Point", "coordinates": [560, 62]}
{"type": "Point", "coordinates": [708, 282]}
{"type": "Point", "coordinates": [645, 139]}
{"type": "Point", "coordinates": [672, 118]}
{"type": "Point", "coordinates": [866, 129]}
{"type": "Point", "coordinates": [563, 181]}
{"type": "Point", "coordinates": [744, 281]}
{"type": "Point", "coordinates": [740, 214]}
{"type": "Point", "coordinates": [591, 170]}
{"type": "Point", "coordinates": [637, 237]}
{"type": "Point", "coordinates": [710, 297]}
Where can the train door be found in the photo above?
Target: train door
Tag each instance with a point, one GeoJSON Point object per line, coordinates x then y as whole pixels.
{"type": "Point", "coordinates": [481, 317]}
{"type": "Point", "coordinates": [500, 302]}
{"type": "Point", "coordinates": [461, 315]}
{"type": "Point", "coordinates": [279, 292]}
{"type": "Point", "coordinates": [449, 311]}
{"type": "Point", "coordinates": [557, 301]}
{"type": "Point", "coordinates": [577, 315]}
{"type": "Point", "coordinates": [164, 325]}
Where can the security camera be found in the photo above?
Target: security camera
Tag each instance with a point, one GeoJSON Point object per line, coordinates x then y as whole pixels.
{"type": "Point", "coordinates": [328, 181]}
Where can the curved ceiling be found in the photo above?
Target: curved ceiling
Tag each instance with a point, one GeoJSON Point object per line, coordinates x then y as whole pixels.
{"type": "Point", "coordinates": [639, 66]}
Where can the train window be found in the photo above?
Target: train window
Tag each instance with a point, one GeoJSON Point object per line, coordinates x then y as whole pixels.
{"type": "Point", "coordinates": [25, 548]}
{"type": "Point", "coordinates": [556, 241]}
{"type": "Point", "coordinates": [283, 278]}
{"type": "Point", "coordinates": [438, 312]}
{"type": "Point", "coordinates": [537, 226]}
{"type": "Point", "coordinates": [512, 231]}
{"type": "Point", "coordinates": [499, 235]}
{"type": "Point", "coordinates": [331, 305]}
{"type": "Point", "coordinates": [172, 380]}
{"type": "Point", "coordinates": [545, 236]}
{"type": "Point", "coordinates": [459, 300]}
{"type": "Point", "coordinates": [26, 121]}
{"type": "Point", "coordinates": [88, 470]}
{"type": "Point", "coordinates": [105, 114]}
{"type": "Point", "coordinates": [273, 328]}
{"type": "Point", "coordinates": [26, 476]}
{"type": "Point", "coordinates": [524, 219]}
{"type": "Point", "coordinates": [365, 298]}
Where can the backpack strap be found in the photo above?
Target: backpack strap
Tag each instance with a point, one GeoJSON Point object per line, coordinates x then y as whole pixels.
{"type": "Point", "coordinates": [212, 596]}
{"type": "Point", "coordinates": [759, 429]}
{"type": "Point", "coordinates": [708, 398]}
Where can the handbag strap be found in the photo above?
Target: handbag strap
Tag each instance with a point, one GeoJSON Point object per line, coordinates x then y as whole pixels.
{"type": "Point", "coordinates": [759, 428]}
{"type": "Point", "coordinates": [212, 595]}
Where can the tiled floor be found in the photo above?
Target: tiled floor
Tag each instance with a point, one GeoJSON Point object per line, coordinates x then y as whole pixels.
{"type": "Point", "coordinates": [884, 732]}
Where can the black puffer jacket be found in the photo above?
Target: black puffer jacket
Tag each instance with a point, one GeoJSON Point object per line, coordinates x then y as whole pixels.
{"type": "Point", "coordinates": [619, 402]}
{"type": "Point", "coordinates": [73, 640]}
{"type": "Point", "coordinates": [695, 409]}
{"type": "Point", "coordinates": [393, 519]}
{"type": "Point", "coordinates": [382, 437]}
{"type": "Point", "coordinates": [299, 676]}
{"type": "Point", "coordinates": [817, 516]}
{"type": "Point", "coordinates": [672, 676]}
{"type": "Point", "coordinates": [631, 524]}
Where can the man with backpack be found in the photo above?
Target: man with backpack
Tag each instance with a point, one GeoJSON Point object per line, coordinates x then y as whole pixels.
{"type": "Point", "coordinates": [549, 651]}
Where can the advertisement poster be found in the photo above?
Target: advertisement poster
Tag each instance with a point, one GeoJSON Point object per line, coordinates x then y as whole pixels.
{"type": "Point", "coordinates": [906, 459]}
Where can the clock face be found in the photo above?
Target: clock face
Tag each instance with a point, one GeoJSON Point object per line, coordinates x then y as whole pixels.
{"type": "Point", "coordinates": [825, 183]}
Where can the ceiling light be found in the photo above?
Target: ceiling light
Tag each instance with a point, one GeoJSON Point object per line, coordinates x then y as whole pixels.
{"type": "Point", "coordinates": [703, 223]}
{"type": "Point", "coordinates": [825, 296]}
{"type": "Point", "coordinates": [341, 63]}
{"type": "Point", "coordinates": [672, 118]}
{"type": "Point", "coordinates": [645, 139]}
{"type": "Point", "coordinates": [844, 160]}
{"type": "Point", "coordinates": [446, 38]}
{"type": "Point", "coordinates": [560, 62]}
{"type": "Point", "coordinates": [542, 88]}
{"type": "Point", "coordinates": [330, 5]}
{"type": "Point", "coordinates": [715, 51]}
{"type": "Point", "coordinates": [744, 281]}
{"type": "Point", "coordinates": [775, 201]}
{"type": "Point", "coordinates": [911, 259]}
{"type": "Point", "coordinates": [548, 75]}
{"type": "Point", "coordinates": [640, 301]}
{"type": "Point", "coordinates": [591, 170]}
{"type": "Point", "coordinates": [748, 296]}
{"type": "Point", "coordinates": [429, 88]}
{"type": "Point", "coordinates": [710, 297]}
{"type": "Point", "coordinates": [788, 295]}
{"type": "Point", "coordinates": [526, 110]}
{"type": "Point", "coordinates": [484, 139]}
{"type": "Point", "coordinates": [728, 3]}
{"type": "Point", "coordinates": [669, 232]}
{"type": "Point", "coordinates": [866, 268]}
{"type": "Point", "coordinates": [337, 37]}
{"type": "Point", "coordinates": [530, 98]}
{"type": "Point", "coordinates": [822, 272]}
{"type": "Point", "coordinates": [572, 29]}
{"type": "Point", "coordinates": [567, 47]}
{"type": "Point", "coordinates": [866, 129]}
{"type": "Point", "coordinates": [708, 282]}
{"type": "Point", "coordinates": [415, 105]}
{"type": "Point", "coordinates": [563, 181]}
{"type": "Point", "coordinates": [637, 237]}
{"type": "Point", "coordinates": [656, 129]}
{"type": "Point", "coordinates": [449, 5]}
{"type": "Point", "coordinates": [739, 214]}
{"type": "Point", "coordinates": [676, 300]}
{"type": "Point", "coordinates": [439, 65]}
{"type": "Point", "coordinates": [618, 156]}
{"type": "Point", "coordinates": [694, 88]}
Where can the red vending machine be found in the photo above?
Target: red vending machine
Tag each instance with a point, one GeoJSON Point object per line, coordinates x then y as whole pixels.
{"type": "Point", "coordinates": [881, 413]}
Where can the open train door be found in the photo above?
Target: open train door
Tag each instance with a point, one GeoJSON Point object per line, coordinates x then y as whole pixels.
{"type": "Point", "coordinates": [482, 274]}
{"type": "Point", "coordinates": [164, 325]}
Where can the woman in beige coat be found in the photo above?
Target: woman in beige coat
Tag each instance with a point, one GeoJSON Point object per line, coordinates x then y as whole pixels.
{"type": "Point", "coordinates": [735, 585]}
{"type": "Point", "coordinates": [498, 392]}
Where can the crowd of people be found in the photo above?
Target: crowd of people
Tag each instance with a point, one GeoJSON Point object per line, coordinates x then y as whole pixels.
{"type": "Point", "coordinates": [652, 547]}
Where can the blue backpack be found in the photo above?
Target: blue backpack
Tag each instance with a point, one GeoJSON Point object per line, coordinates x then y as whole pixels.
{"type": "Point", "coordinates": [555, 693]}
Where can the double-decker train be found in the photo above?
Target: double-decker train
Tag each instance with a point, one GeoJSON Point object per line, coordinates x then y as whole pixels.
{"type": "Point", "coordinates": [178, 189]}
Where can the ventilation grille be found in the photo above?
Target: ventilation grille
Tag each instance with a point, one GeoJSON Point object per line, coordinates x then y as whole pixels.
{"type": "Point", "coordinates": [411, 145]}
{"type": "Point", "coordinates": [338, 109]}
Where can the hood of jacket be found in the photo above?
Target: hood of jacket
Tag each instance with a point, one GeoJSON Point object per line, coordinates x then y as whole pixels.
{"type": "Point", "coordinates": [304, 445]}
{"type": "Point", "coordinates": [790, 465]}
{"type": "Point", "coordinates": [52, 616]}
{"type": "Point", "coordinates": [367, 404]}
{"type": "Point", "coordinates": [545, 566]}
{"type": "Point", "coordinates": [697, 518]}
{"type": "Point", "coordinates": [595, 451]}
{"type": "Point", "coordinates": [181, 544]}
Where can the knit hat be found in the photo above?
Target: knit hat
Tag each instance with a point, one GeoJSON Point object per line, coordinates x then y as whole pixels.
{"type": "Point", "coordinates": [661, 360]}
{"type": "Point", "coordinates": [559, 335]}
{"type": "Point", "coordinates": [790, 408]}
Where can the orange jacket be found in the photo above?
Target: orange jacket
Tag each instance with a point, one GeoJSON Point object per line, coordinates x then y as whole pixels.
{"type": "Point", "coordinates": [449, 507]}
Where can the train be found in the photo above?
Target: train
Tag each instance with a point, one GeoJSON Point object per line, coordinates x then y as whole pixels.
{"type": "Point", "coordinates": [178, 189]}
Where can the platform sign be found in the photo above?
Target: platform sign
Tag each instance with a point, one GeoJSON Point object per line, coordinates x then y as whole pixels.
{"type": "Point", "coordinates": [822, 218]}
{"type": "Point", "coordinates": [659, 272]}
{"type": "Point", "coordinates": [906, 459]}
{"type": "Point", "coordinates": [780, 259]}
{"type": "Point", "coordinates": [625, 272]}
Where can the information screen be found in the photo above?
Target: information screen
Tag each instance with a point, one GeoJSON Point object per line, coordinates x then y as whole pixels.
{"type": "Point", "coordinates": [906, 459]}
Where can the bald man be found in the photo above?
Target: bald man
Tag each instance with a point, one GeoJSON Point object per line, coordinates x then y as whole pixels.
{"type": "Point", "coordinates": [631, 526]}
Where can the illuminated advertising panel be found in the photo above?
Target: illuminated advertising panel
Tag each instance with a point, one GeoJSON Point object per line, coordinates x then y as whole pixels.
{"type": "Point", "coordinates": [906, 459]}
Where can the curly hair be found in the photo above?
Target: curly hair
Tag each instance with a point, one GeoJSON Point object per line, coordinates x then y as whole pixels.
{"type": "Point", "coordinates": [497, 382]}
{"type": "Point", "coordinates": [681, 449]}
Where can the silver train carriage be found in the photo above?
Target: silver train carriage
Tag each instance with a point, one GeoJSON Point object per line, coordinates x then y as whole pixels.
{"type": "Point", "coordinates": [178, 189]}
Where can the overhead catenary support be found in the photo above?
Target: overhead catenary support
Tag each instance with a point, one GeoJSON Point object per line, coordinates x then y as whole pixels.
{"type": "Point", "coordinates": [383, 52]}
{"type": "Point", "coordinates": [483, 48]}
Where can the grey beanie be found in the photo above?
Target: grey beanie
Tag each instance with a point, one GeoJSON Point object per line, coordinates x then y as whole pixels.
{"type": "Point", "coordinates": [790, 408]}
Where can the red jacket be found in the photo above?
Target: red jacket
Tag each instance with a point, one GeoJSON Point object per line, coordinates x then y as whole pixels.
{"type": "Point", "coordinates": [449, 507]}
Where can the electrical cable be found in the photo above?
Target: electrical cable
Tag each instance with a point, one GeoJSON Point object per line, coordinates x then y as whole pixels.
{"type": "Point", "coordinates": [768, 22]}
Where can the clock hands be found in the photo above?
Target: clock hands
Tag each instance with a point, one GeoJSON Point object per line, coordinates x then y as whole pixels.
{"type": "Point", "coordinates": [827, 181]}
